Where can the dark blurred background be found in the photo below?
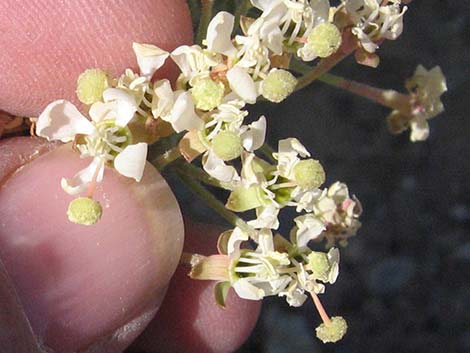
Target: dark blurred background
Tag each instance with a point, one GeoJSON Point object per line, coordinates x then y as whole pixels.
{"type": "Point", "coordinates": [403, 284]}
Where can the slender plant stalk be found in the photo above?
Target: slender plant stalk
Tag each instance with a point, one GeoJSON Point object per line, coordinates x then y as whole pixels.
{"type": "Point", "coordinates": [212, 201]}
{"type": "Point", "coordinates": [386, 97]}
{"type": "Point", "coordinates": [323, 67]}
{"type": "Point", "coordinates": [162, 161]}
{"type": "Point", "coordinates": [241, 10]}
{"type": "Point", "coordinates": [192, 171]}
{"type": "Point", "coordinates": [206, 15]}
{"type": "Point", "coordinates": [268, 151]}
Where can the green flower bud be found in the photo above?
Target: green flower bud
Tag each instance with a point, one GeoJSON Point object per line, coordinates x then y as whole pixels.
{"type": "Point", "coordinates": [309, 174]}
{"type": "Point", "coordinates": [332, 332]}
{"type": "Point", "coordinates": [85, 211]}
{"type": "Point", "coordinates": [278, 85]}
{"type": "Point", "coordinates": [324, 40]}
{"type": "Point", "coordinates": [318, 264]}
{"type": "Point", "coordinates": [91, 84]}
{"type": "Point", "coordinates": [227, 145]}
{"type": "Point", "coordinates": [207, 94]}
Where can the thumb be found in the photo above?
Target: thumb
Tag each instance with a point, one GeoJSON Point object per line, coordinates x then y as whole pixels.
{"type": "Point", "coordinates": [82, 286]}
{"type": "Point", "coordinates": [46, 44]}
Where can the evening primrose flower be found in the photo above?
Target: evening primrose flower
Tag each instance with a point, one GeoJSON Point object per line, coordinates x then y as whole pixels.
{"type": "Point", "coordinates": [105, 138]}
{"type": "Point", "coordinates": [425, 89]}
{"type": "Point", "coordinates": [375, 20]}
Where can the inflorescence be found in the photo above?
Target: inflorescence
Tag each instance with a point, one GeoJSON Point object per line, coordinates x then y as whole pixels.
{"type": "Point", "coordinates": [206, 108]}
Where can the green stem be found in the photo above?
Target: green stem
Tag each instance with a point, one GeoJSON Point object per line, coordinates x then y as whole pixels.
{"type": "Point", "coordinates": [206, 15]}
{"type": "Point", "coordinates": [386, 97]}
{"type": "Point", "coordinates": [213, 202]}
{"type": "Point", "coordinates": [192, 171]}
{"type": "Point", "coordinates": [323, 67]}
{"type": "Point", "coordinates": [268, 151]}
{"type": "Point", "coordinates": [242, 10]}
{"type": "Point", "coordinates": [169, 156]}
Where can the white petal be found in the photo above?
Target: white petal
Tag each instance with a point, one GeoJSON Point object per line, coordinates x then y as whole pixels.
{"type": "Point", "coordinates": [80, 181]}
{"type": "Point", "coordinates": [100, 111]}
{"type": "Point", "coordinates": [183, 117]}
{"type": "Point", "coordinates": [242, 84]}
{"type": "Point", "coordinates": [61, 120]}
{"type": "Point", "coordinates": [309, 228]}
{"type": "Point", "coordinates": [254, 137]}
{"type": "Point", "coordinates": [266, 218]}
{"type": "Point", "coordinates": [218, 169]}
{"type": "Point", "coordinates": [219, 33]}
{"type": "Point", "coordinates": [126, 105]}
{"type": "Point", "coordinates": [149, 57]}
{"type": "Point", "coordinates": [236, 238]}
{"type": "Point", "coordinates": [131, 161]}
{"type": "Point", "coordinates": [265, 241]}
{"type": "Point", "coordinates": [292, 145]}
{"type": "Point", "coordinates": [163, 100]}
{"type": "Point", "coordinates": [264, 5]}
{"type": "Point", "coordinates": [419, 130]}
{"type": "Point", "coordinates": [246, 290]}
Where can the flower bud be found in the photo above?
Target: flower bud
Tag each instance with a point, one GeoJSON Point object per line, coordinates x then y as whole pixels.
{"type": "Point", "coordinates": [324, 40]}
{"type": "Point", "coordinates": [85, 211]}
{"type": "Point", "coordinates": [309, 174]}
{"type": "Point", "coordinates": [227, 145]}
{"type": "Point", "coordinates": [333, 331]}
{"type": "Point", "coordinates": [91, 84]}
{"type": "Point", "coordinates": [207, 94]}
{"type": "Point", "coordinates": [278, 85]}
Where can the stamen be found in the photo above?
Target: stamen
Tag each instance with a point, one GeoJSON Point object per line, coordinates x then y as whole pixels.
{"type": "Point", "coordinates": [92, 185]}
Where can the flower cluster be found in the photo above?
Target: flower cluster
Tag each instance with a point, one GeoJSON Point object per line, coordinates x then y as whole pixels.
{"type": "Point", "coordinates": [216, 82]}
{"type": "Point", "coordinates": [205, 111]}
{"type": "Point", "coordinates": [277, 266]}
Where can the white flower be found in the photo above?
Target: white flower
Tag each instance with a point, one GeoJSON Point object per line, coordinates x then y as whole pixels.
{"type": "Point", "coordinates": [339, 212]}
{"type": "Point", "coordinates": [194, 62]}
{"type": "Point", "coordinates": [309, 227]}
{"type": "Point", "coordinates": [106, 139]}
{"type": "Point", "coordinates": [374, 21]}
{"type": "Point", "coordinates": [175, 107]}
{"type": "Point", "coordinates": [288, 156]}
{"type": "Point", "coordinates": [261, 268]}
{"type": "Point", "coordinates": [426, 88]}
{"type": "Point", "coordinates": [220, 149]}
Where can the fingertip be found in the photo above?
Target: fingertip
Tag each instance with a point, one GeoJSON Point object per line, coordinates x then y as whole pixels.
{"type": "Point", "coordinates": [82, 285]}
{"type": "Point", "coordinates": [46, 44]}
{"type": "Point", "coordinates": [189, 319]}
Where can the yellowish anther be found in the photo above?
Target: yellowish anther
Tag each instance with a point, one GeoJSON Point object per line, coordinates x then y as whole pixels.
{"type": "Point", "coordinates": [324, 40]}
{"type": "Point", "coordinates": [333, 331]}
{"type": "Point", "coordinates": [207, 94]}
{"type": "Point", "coordinates": [91, 84]}
{"type": "Point", "coordinates": [318, 264]}
{"type": "Point", "coordinates": [278, 85]}
{"type": "Point", "coordinates": [85, 211]}
{"type": "Point", "coordinates": [309, 174]}
{"type": "Point", "coordinates": [227, 145]}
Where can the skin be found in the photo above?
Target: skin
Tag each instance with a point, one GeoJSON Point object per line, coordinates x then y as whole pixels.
{"type": "Point", "coordinates": [93, 290]}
